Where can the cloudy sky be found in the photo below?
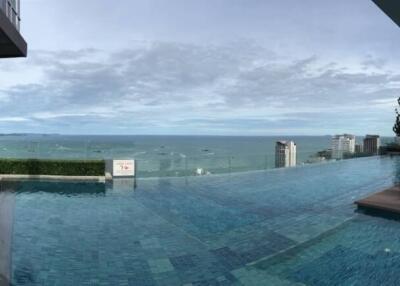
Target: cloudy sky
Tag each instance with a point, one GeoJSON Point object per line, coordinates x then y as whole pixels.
{"type": "Point", "coordinates": [220, 67]}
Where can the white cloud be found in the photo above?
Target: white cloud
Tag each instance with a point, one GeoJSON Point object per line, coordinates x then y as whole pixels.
{"type": "Point", "coordinates": [187, 88]}
{"type": "Point", "coordinates": [14, 119]}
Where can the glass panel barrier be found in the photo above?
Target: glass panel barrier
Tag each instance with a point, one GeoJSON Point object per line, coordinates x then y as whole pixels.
{"type": "Point", "coordinates": [152, 162]}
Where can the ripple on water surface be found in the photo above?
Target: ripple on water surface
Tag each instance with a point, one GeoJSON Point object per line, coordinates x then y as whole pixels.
{"type": "Point", "coordinates": [277, 227]}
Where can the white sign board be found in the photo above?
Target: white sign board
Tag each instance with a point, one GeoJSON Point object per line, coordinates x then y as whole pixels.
{"type": "Point", "coordinates": [123, 168]}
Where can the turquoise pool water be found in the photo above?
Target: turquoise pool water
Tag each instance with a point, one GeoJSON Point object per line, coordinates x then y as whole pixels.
{"type": "Point", "coordinates": [280, 227]}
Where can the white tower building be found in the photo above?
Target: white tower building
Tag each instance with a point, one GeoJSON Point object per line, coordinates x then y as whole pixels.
{"type": "Point", "coordinates": [285, 154]}
{"type": "Point", "coordinates": [342, 144]}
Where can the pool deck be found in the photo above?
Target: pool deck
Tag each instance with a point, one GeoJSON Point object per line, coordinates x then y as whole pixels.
{"type": "Point", "coordinates": [387, 200]}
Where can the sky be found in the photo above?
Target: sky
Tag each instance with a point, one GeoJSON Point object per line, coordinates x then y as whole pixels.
{"type": "Point", "coordinates": [215, 67]}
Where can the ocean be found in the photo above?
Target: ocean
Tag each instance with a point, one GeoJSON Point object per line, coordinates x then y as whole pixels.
{"type": "Point", "coordinates": [165, 155]}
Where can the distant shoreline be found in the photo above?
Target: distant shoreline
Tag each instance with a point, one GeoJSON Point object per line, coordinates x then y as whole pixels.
{"type": "Point", "coordinates": [175, 135]}
{"type": "Point", "coordinates": [30, 134]}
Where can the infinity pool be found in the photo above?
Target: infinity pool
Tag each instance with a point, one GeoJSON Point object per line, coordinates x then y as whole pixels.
{"type": "Point", "coordinates": [281, 227]}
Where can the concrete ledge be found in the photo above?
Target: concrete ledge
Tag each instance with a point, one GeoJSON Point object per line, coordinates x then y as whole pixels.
{"type": "Point", "coordinates": [7, 203]}
{"type": "Point", "coordinates": [11, 42]}
{"type": "Point", "coordinates": [53, 178]}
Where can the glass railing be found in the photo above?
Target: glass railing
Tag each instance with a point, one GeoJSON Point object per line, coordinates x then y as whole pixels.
{"type": "Point", "coordinates": [159, 163]}
{"type": "Point", "coordinates": [203, 166]}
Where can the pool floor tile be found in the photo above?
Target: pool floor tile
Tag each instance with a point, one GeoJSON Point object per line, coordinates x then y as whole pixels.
{"type": "Point", "coordinates": [160, 265]}
{"type": "Point", "coordinates": [262, 228]}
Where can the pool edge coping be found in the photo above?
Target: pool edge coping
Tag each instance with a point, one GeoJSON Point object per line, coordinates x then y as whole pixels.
{"type": "Point", "coordinates": [9, 177]}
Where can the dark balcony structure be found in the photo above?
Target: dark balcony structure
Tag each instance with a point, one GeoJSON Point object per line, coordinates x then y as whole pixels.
{"type": "Point", "coordinates": [391, 8]}
{"type": "Point", "coordinates": [12, 44]}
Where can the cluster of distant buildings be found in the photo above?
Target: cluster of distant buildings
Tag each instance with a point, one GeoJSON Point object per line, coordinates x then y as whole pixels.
{"type": "Point", "coordinates": [345, 144]}
{"type": "Point", "coordinates": [341, 146]}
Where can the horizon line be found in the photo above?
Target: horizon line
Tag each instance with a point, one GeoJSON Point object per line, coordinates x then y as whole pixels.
{"type": "Point", "coordinates": [188, 135]}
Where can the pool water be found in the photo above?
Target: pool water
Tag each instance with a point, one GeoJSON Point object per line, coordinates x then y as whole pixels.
{"type": "Point", "coordinates": [281, 227]}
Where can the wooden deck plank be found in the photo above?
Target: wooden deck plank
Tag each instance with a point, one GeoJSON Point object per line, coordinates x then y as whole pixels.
{"type": "Point", "coordinates": [387, 200]}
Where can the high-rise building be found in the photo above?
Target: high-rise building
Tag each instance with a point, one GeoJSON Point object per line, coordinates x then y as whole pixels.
{"type": "Point", "coordinates": [12, 44]}
{"type": "Point", "coordinates": [359, 148]}
{"type": "Point", "coordinates": [372, 144]}
{"type": "Point", "coordinates": [285, 154]}
{"type": "Point", "coordinates": [342, 144]}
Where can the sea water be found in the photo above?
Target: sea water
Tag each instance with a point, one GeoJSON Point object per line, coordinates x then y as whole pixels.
{"type": "Point", "coordinates": [165, 155]}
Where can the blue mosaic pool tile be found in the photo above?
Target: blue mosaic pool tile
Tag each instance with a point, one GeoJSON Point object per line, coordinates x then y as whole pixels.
{"type": "Point", "coordinates": [140, 279]}
{"type": "Point", "coordinates": [167, 279]}
{"type": "Point", "coordinates": [160, 265]}
{"type": "Point", "coordinates": [206, 231]}
{"type": "Point", "coordinates": [349, 267]}
{"type": "Point", "coordinates": [185, 262]}
{"type": "Point", "coordinates": [257, 253]}
{"type": "Point", "coordinates": [228, 257]}
{"type": "Point", "coordinates": [150, 243]}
